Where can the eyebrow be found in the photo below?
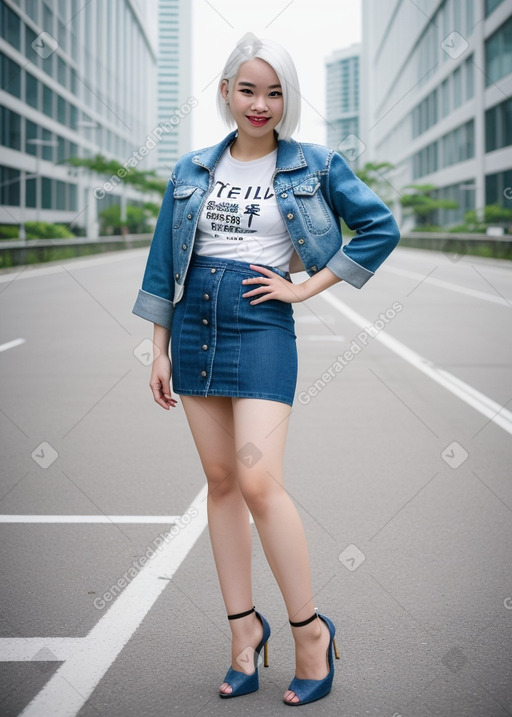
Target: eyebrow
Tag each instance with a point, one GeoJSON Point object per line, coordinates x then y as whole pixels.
{"type": "Point", "coordinates": [251, 84]}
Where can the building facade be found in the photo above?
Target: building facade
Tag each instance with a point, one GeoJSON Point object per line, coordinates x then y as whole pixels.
{"type": "Point", "coordinates": [437, 98]}
{"type": "Point", "coordinates": [78, 79]}
{"type": "Point", "coordinates": [174, 82]}
{"type": "Point", "coordinates": [342, 99]}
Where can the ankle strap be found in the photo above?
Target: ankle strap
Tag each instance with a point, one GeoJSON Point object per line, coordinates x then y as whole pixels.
{"type": "Point", "coordinates": [241, 614]}
{"type": "Point", "coordinates": [304, 622]}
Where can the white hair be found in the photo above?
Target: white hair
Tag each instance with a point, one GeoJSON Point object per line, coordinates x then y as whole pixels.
{"type": "Point", "coordinates": [249, 48]}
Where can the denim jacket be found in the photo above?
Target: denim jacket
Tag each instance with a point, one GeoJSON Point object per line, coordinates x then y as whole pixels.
{"type": "Point", "coordinates": [314, 187]}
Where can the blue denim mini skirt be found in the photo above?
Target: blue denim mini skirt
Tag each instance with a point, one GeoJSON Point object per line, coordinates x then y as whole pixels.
{"type": "Point", "coordinates": [223, 346]}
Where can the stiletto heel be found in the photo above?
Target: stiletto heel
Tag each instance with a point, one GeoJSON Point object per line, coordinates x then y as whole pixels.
{"type": "Point", "coordinates": [240, 682]}
{"type": "Point", "coordinates": [312, 690]}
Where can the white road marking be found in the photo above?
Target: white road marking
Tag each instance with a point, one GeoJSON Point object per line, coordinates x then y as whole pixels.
{"type": "Point", "coordinates": [25, 649]}
{"type": "Point", "coordinates": [12, 518]}
{"type": "Point", "coordinates": [449, 285]}
{"type": "Point", "coordinates": [11, 344]}
{"type": "Point", "coordinates": [70, 687]}
{"type": "Point", "coordinates": [480, 402]}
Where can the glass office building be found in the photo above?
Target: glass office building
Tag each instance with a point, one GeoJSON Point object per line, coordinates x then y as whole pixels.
{"type": "Point", "coordinates": [174, 99]}
{"type": "Point", "coordinates": [342, 93]}
{"type": "Point", "coordinates": [437, 97]}
{"type": "Point", "coordinates": [78, 79]}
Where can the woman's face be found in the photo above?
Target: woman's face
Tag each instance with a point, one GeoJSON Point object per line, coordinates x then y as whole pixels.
{"type": "Point", "coordinates": [255, 98]}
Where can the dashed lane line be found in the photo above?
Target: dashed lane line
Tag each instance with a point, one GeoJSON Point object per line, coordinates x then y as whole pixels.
{"type": "Point", "coordinates": [11, 344]}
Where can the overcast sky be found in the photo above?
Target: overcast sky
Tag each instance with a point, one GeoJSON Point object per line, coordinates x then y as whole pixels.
{"type": "Point", "coordinates": [309, 29]}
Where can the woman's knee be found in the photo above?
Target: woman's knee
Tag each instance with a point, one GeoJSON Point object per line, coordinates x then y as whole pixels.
{"type": "Point", "coordinates": [260, 493]}
{"type": "Point", "coordinates": [221, 479]}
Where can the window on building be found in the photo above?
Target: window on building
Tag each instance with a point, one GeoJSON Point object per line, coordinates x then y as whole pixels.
{"type": "Point", "coordinates": [47, 149]}
{"type": "Point", "coordinates": [498, 53]}
{"type": "Point", "coordinates": [31, 132]}
{"type": "Point", "coordinates": [31, 90]}
{"type": "Point", "coordinates": [47, 101]}
{"type": "Point", "coordinates": [470, 77]}
{"type": "Point", "coordinates": [11, 26]}
{"type": "Point", "coordinates": [469, 17]}
{"type": "Point", "coordinates": [46, 193]}
{"type": "Point", "coordinates": [445, 98]}
{"type": "Point", "coordinates": [491, 5]}
{"type": "Point", "coordinates": [10, 74]}
{"type": "Point", "coordinates": [495, 186]}
{"type": "Point", "coordinates": [9, 186]}
{"type": "Point", "coordinates": [10, 128]}
{"type": "Point", "coordinates": [457, 88]}
{"type": "Point", "coordinates": [498, 126]}
{"type": "Point", "coordinates": [30, 193]}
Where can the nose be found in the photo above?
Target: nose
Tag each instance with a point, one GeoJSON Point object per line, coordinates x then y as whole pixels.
{"type": "Point", "coordinates": [259, 104]}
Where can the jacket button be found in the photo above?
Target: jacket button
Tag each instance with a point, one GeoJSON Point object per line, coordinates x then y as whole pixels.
{"type": "Point", "coordinates": [206, 297]}
{"type": "Point", "coordinates": [189, 216]}
{"type": "Point", "coordinates": [314, 267]}
{"type": "Point", "coordinates": [289, 216]}
{"type": "Point", "coordinates": [301, 241]}
{"type": "Point", "coordinates": [183, 246]}
{"type": "Point", "coordinates": [284, 195]}
{"type": "Point", "coordinates": [212, 271]}
{"type": "Point", "coordinates": [177, 276]}
{"type": "Point", "coordinates": [205, 347]}
{"type": "Point", "coordinates": [203, 373]}
{"type": "Point", "coordinates": [205, 322]}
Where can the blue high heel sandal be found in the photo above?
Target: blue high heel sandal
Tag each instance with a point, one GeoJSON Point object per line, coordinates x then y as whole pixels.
{"type": "Point", "coordinates": [240, 682]}
{"type": "Point", "coordinates": [312, 690]}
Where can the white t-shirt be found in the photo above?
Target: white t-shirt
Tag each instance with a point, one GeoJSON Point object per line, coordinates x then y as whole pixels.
{"type": "Point", "coordinates": [240, 218]}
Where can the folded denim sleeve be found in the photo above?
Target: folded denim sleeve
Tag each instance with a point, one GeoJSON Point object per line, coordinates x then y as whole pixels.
{"type": "Point", "coordinates": [377, 233]}
{"type": "Point", "coordinates": [155, 298]}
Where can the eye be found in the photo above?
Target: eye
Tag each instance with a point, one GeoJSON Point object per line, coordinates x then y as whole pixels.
{"type": "Point", "coordinates": [276, 93]}
{"type": "Point", "coordinates": [246, 90]}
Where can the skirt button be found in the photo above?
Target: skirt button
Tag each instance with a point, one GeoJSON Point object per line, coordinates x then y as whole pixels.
{"type": "Point", "coordinates": [212, 271]}
{"type": "Point", "coordinates": [203, 373]}
{"type": "Point", "coordinates": [206, 297]}
{"type": "Point", "coordinates": [205, 347]}
{"type": "Point", "coordinates": [205, 322]}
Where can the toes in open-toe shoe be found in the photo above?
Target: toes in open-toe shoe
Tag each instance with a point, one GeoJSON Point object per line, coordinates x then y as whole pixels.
{"type": "Point", "coordinates": [312, 690]}
{"type": "Point", "coordinates": [240, 682]}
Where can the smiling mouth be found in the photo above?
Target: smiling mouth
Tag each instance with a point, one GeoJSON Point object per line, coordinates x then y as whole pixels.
{"type": "Point", "coordinates": [258, 121]}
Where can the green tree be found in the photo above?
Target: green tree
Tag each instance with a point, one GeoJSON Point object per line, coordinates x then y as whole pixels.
{"type": "Point", "coordinates": [146, 181]}
{"type": "Point", "coordinates": [422, 205]}
{"type": "Point", "coordinates": [375, 175]}
{"type": "Point", "coordinates": [136, 220]}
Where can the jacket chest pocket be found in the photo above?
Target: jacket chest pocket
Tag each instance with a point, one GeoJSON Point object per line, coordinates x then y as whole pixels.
{"type": "Point", "coordinates": [312, 206]}
{"type": "Point", "coordinates": [182, 204]}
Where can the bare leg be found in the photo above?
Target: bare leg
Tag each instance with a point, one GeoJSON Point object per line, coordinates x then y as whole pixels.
{"type": "Point", "coordinates": [260, 435]}
{"type": "Point", "coordinates": [211, 422]}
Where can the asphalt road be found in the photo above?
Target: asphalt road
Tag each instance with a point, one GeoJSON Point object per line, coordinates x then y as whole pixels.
{"type": "Point", "coordinates": [399, 461]}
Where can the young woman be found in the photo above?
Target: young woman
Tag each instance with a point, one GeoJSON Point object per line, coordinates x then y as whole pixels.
{"type": "Point", "coordinates": [234, 220]}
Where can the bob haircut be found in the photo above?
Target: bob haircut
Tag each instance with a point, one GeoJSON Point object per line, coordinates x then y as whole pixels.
{"type": "Point", "coordinates": [249, 48]}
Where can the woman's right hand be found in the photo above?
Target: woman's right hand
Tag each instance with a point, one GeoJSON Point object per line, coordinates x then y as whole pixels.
{"type": "Point", "coordinates": [160, 382]}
